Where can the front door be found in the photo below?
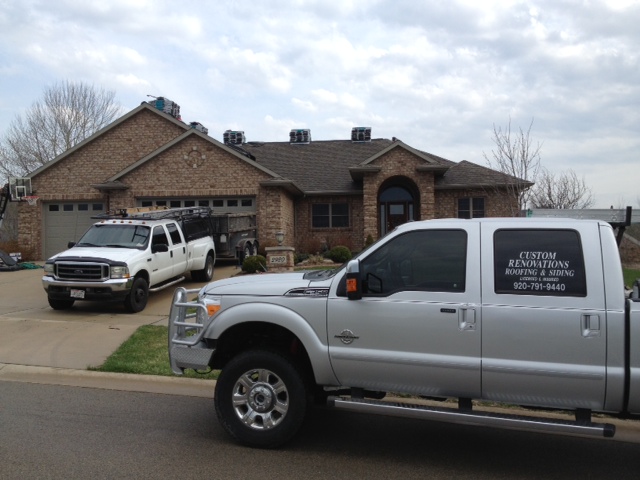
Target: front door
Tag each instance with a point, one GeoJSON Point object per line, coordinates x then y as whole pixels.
{"type": "Point", "coordinates": [417, 328]}
{"type": "Point", "coordinates": [397, 214]}
{"type": "Point", "coordinates": [396, 206]}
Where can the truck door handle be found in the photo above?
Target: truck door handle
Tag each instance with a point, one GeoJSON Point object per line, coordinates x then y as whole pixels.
{"type": "Point", "coordinates": [590, 325]}
{"type": "Point", "coordinates": [467, 318]}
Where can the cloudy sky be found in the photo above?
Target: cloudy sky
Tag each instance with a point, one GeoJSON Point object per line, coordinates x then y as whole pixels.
{"type": "Point", "coordinates": [436, 74]}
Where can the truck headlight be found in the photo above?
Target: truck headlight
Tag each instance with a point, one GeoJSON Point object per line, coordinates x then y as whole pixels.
{"type": "Point", "coordinates": [49, 269]}
{"type": "Point", "coordinates": [120, 272]}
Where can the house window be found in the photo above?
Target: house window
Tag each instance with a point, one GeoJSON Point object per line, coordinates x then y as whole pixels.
{"type": "Point", "coordinates": [471, 208]}
{"type": "Point", "coordinates": [330, 215]}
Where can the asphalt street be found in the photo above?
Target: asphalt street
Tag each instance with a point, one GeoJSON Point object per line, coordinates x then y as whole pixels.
{"type": "Point", "coordinates": [55, 432]}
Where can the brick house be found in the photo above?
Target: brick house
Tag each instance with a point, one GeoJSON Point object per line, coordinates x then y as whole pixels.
{"type": "Point", "coordinates": [319, 193]}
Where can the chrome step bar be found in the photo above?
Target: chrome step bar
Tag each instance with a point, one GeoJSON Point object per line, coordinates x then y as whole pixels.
{"type": "Point", "coordinates": [476, 418]}
{"type": "Point", "coordinates": [169, 283]}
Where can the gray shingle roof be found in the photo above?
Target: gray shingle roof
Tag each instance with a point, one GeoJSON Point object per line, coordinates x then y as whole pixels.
{"type": "Point", "coordinates": [467, 174]}
{"type": "Point", "coordinates": [323, 166]}
{"type": "Point", "coordinates": [320, 166]}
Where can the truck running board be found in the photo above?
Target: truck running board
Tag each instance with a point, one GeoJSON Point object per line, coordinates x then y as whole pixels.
{"type": "Point", "coordinates": [168, 283]}
{"type": "Point", "coordinates": [470, 417]}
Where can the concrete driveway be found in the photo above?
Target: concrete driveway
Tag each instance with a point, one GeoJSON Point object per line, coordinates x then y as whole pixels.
{"type": "Point", "coordinates": [33, 334]}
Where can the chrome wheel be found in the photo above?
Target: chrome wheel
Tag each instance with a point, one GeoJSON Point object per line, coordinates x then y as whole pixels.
{"type": "Point", "coordinates": [260, 399]}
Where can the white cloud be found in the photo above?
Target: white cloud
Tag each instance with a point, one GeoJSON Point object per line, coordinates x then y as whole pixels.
{"type": "Point", "coordinates": [436, 74]}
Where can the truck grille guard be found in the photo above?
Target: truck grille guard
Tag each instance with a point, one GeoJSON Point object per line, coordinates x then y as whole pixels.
{"type": "Point", "coordinates": [188, 321]}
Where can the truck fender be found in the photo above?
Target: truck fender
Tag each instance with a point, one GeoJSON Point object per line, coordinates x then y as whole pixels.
{"type": "Point", "coordinates": [283, 317]}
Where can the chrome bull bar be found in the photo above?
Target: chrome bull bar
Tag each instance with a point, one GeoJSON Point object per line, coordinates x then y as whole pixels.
{"type": "Point", "coordinates": [188, 321]}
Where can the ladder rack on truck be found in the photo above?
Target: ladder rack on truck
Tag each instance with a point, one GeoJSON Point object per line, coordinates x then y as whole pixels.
{"type": "Point", "coordinates": [156, 213]}
{"type": "Point", "coordinates": [619, 219]}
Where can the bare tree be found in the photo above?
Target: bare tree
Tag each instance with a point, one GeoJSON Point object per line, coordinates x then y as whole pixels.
{"type": "Point", "coordinates": [564, 190]}
{"type": "Point", "coordinates": [67, 114]}
{"type": "Point", "coordinates": [518, 158]}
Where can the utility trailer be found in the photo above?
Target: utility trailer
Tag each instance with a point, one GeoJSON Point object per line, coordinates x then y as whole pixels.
{"type": "Point", "coordinates": [235, 235]}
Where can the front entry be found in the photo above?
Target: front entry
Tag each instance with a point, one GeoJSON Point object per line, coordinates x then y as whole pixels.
{"type": "Point", "coordinates": [396, 206]}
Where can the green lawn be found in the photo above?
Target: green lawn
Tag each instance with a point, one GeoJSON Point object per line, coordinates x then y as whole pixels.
{"type": "Point", "coordinates": [146, 353]}
{"type": "Point", "coordinates": [630, 276]}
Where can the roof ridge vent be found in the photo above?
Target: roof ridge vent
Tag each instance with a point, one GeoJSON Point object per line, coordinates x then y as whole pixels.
{"type": "Point", "coordinates": [361, 134]}
{"type": "Point", "coordinates": [233, 137]}
{"type": "Point", "coordinates": [300, 136]}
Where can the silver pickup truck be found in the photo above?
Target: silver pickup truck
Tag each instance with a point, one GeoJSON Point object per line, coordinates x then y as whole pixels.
{"type": "Point", "coordinates": [527, 312]}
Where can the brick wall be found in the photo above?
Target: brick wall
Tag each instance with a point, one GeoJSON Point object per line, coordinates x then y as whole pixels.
{"type": "Point", "coordinates": [275, 213]}
{"type": "Point", "coordinates": [194, 168]}
{"type": "Point", "coordinates": [495, 204]}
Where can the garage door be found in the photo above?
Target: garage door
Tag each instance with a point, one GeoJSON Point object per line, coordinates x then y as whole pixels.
{"type": "Point", "coordinates": [66, 222]}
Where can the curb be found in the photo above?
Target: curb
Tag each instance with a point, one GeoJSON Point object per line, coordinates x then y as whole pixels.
{"type": "Point", "coordinates": [191, 387]}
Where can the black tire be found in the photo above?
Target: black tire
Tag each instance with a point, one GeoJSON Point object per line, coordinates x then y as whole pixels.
{"type": "Point", "coordinates": [60, 303]}
{"type": "Point", "coordinates": [206, 274]}
{"type": "Point", "coordinates": [248, 250]}
{"type": "Point", "coordinates": [138, 296]}
{"type": "Point", "coordinates": [261, 399]}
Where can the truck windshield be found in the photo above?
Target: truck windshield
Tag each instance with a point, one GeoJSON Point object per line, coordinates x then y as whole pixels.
{"type": "Point", "coordinates": [119, 236]}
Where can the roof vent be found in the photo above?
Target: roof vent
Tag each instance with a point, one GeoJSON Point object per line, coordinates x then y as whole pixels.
{"type": "Point", "coordinates": [300, 136]}
{"type": "Point", "coordinates": [167, 106]}
{"type": "Point", "coordinates": [361, 134]}
{"type": "Point", "coordinates": [199, 127]}
{"type": "Point", "coordinates": [233, 137]}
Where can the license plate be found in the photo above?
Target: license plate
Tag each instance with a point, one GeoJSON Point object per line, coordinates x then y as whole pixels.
{"type": "Point", "coordinates": [75, 293]}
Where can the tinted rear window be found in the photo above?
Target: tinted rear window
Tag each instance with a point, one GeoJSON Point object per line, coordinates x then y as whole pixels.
{"type": "Point", "coordinates": [539, 262]}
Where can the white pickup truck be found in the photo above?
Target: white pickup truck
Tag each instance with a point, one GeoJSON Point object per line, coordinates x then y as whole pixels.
{"type": "Point", "coordinates": [129, 253]}
{"type": "Point", "coordinates": [522, 311]}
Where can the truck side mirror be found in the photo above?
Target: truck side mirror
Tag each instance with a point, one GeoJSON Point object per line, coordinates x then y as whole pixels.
{"type": "Point", "coordinates": [71, 244]}
{"type": "Point", "coordinates": [354, 281]}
